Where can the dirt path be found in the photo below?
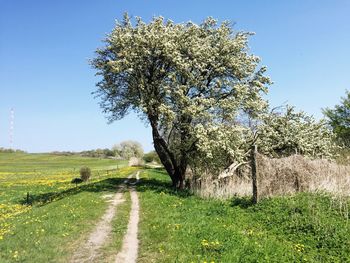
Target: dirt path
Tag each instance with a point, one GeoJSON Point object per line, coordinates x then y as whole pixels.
{"type": "Point", "coordinates": [128, 254]}
{"type": "Point", "coordinates": [97, 238]}
{"type": "Point", "coordinates": [129, 251]}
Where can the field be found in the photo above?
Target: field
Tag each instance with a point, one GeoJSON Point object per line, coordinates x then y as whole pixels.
{"type": "Point", "coordinates": [175, 226]}
{"type": "Point", "coordinates": [178, 227]}
{"type": "Point", "coordinates": [60, 214]}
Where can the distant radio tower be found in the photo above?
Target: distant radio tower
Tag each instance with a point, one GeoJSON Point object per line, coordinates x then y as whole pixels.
{"type": "Point", "coordinates": [12, 121]}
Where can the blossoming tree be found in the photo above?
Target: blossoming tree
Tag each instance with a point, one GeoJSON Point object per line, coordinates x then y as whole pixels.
{"type": "Point", "coordinates": [286, 132]}
{"type": "Point", "coordinates": [187, 81]}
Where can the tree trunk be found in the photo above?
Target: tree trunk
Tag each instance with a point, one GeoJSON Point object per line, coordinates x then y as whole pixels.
{"type": "Point", "coordinates": [254, 174]}
{"type": "Point", "coordinates": [175, 170]}
{"type": "Point", "coordinates": [179, 179]}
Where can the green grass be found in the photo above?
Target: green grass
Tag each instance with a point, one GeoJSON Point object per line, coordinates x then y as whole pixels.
{"type": "Point", "coordinates": [179, 227]}
{"type": "Point", "coordinates": [22, 162]}
{"type": "Point", "coordinates": [60, 215]}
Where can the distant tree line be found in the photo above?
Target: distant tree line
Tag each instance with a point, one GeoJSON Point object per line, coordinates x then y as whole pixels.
{"type": "Point", "coordinates": [96, 153]}
{"type": "Point", "coordinates": [7, 150]}
{"type": "Point", "coordinates": [123, 151]}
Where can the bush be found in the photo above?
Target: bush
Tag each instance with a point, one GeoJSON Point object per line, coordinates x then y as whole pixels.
{"type": "Point", "coordinates": [85, 173]}
{"type": "Point", "coordinates": [288, 132]}
{"type": "Point", "coordinates": [77, 180]}
{"type": "Point", "coordinates": [151, 157]}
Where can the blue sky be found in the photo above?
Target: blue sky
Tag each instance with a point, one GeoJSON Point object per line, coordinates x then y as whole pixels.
{"type": "Point", "coordinates": [45, 47]}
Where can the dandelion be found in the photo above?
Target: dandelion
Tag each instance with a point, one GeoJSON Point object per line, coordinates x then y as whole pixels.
{"type": "Point", "coordinates": [299, 247]}
{"type": "Point", "coordinates": [205, 243]}
{"type": "Point", "coordinates": [211, 245]}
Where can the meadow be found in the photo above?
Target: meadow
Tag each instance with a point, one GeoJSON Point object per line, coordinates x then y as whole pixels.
{"type": "Point", "coordinates": [180, 227]}
{"type": "Point", "coordinates": [175, 226]}
{"type": "Point", "coordinates": [59, 214]}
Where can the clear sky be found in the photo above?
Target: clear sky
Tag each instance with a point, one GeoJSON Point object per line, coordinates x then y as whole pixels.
{"type": "Point", "coordinates": [45, 47]}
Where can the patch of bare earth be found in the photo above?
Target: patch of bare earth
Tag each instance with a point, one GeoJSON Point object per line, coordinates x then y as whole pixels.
{"type": "Point", "coordinates": [89, 251]}
{"type": "Point", "coordinates": [128, 254]}
{"type": "Point", "coordinates": [129, 251]}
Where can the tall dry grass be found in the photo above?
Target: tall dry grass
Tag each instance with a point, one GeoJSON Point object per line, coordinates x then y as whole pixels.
{"type": "Point", "coordinates": [208, 186]}
{"type": "Point", "coordinates": [279, 176]}
{"type": "Point", "coordinates": [300, 174]}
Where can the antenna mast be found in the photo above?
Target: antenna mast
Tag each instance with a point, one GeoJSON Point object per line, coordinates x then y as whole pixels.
{"type": "Point", "coordinates": [12, 121]}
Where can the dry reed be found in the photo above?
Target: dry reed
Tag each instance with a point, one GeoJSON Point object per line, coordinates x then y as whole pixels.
{"type": "Point", "coordinates": [279, 176]}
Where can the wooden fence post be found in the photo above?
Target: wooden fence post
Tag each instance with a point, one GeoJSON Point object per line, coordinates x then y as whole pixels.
{"type": "Point", "coordinates": [254, 151]}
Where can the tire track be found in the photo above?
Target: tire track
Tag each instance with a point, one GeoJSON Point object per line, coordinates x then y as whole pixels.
{"type": "Point", "coordinates": [97, 238]}
{"type": "Point", "coordinates": [129, 251]}
{"type": "Point", "coordinates": [89, 251]}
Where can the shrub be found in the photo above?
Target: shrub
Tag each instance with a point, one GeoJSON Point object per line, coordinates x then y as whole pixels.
{"type": "Point", "coordinates": [288, 132]}
{"type": "Point", "coordinates": [151, 157]}
{"type": "Point", "coordinates": [77, 181]}
{"type": "Point", "coordinates": [85, 173]}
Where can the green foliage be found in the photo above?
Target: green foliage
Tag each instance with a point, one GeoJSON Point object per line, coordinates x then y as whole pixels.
{"type": "Point", "coordinates": [85, 173]}
{"type": "Point", "coordinates": [128, 149]}
{"type": "Point", "coordinates": [339, 119]}
{"type": "Point", "coordinates": [288, 132]}
{"type": "Point", "coordinates": [151, 157]}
